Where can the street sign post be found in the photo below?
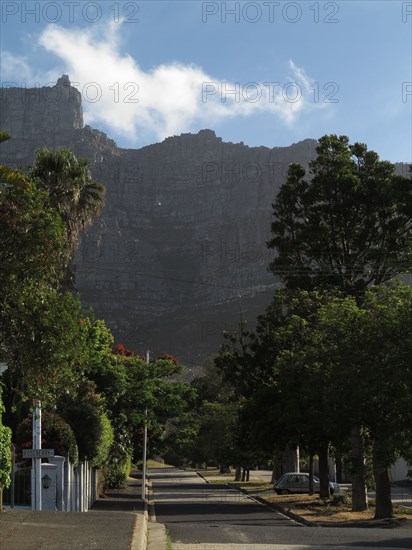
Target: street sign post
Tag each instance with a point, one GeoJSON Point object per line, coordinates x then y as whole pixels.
{"type": "Point", "coordinates": [36, 462]}
{"type": "Point", "coordinates": [38, 453]}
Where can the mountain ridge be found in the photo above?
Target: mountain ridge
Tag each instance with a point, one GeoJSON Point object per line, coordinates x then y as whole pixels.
{"type": "Point", "coordinates": [179, 252]}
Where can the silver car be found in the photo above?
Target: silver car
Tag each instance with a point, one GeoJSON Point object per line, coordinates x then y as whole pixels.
{"type": "Point", "coordinates": [298, 482]}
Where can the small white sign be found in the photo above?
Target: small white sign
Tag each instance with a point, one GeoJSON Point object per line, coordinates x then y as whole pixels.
{"type": "Point", "coordinates": [38, 453]}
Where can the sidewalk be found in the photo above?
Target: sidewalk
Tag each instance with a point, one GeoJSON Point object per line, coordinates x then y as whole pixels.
{"type": "Point", "coordinates": [116, 522]}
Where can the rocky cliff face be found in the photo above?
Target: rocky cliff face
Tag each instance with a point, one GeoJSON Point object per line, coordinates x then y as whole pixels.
{"type": "Point", "coordinates": [179, 249]}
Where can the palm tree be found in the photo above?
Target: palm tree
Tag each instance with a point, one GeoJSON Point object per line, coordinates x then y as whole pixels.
{"type": "Point", "coordinates": [72, 190]}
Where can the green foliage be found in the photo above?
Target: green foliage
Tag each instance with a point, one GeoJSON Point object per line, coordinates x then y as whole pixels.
{"type": "Point", "coordinates": [56, 434]}
{"type": "Point", "coordinates": [72, 191]}
{"type": "Point", "coordinates": [347, 227]}
{"type": "Point", "coordinates": [5, 456]}
{"type": "Point", "coordinates": [298, 371]}
{"type": "Point", "coordinates": [128, 386]}
{"type": "Point", "coordinates": [40, 334]}
{"type": "Point", "coordinates": [105, 442]}
{"type": "Point", "coordinates": [43, 336]}
{"type": "Point", "coordinates": [216, 440]}
{"type": "Point", "coordinates": [32, 245]}
{"type": "Point", "coordinates": [118, 466]}
{"type": "Point", "coordinates": [5, 451]}
{"type": "Point", "coordinates": [375, 347]}
{"type": "Point", "coordinates": [49, 342]}
{"type": "Point", "coordinates": [104, 367]}
{"type": "Point", "coordinates": [287, 386]}
{"type": "Point", "coordinates": [214, 430]}
{"type": "Point", "coordinates": [83, 413]}
{"type": "Point", "coordinates": [91, 426]}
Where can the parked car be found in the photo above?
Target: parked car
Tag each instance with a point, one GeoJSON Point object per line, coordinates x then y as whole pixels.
{"type": "Point", "coordinates": [298, 482]}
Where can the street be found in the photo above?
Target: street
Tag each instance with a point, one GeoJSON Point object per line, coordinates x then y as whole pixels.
{"type": "Point", "coordinates": [206, 516]}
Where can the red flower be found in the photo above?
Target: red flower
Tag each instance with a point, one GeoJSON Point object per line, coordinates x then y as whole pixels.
{"type": "Point", "coordinates": [169, 357]}
{"type": "Point", "coordinates": [121, 350]}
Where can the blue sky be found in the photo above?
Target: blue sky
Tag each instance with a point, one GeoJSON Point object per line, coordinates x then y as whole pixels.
{"type": "Point", "coordinates": [266, 73]}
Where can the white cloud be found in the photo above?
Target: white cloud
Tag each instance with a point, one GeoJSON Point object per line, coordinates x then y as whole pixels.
{"type": "Point", "coordinates": [172, 98]}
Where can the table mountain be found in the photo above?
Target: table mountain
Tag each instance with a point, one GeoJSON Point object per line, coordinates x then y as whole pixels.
{"type": "Point", "coordinates": [178, 254]}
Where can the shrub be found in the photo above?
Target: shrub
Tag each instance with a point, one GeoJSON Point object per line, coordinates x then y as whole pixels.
{"type": "Point", "coordinates": [116, 472]}
{"type": "Point", "coordinates": [5, 456]}
{"type": "Point", "coordinates": [83, 414]}
{"type": "Point", "coordinates": [56, 434]}
{"type": "Point", "coordinates": [119, 463]}
{"type": "Point", "coordinates": [105, 443]}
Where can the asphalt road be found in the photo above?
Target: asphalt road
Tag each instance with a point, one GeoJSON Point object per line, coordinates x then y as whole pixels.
{"type": "Point", "coordinates": [201, 516]}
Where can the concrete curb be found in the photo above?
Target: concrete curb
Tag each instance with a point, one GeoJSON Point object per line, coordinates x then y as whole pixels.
{"type": "Point", "coordinates": [200, 475]}
{"type": "Point", "coordinates": [139, 536]}
{"type": "Point", "coordinates": [156, 532]}
{"type": "Point", "coordinates": [284, 512]}
{"type": "Point", "coordinates": [274, 507]}
{"type": "Point", "coordinates": [157, 537]}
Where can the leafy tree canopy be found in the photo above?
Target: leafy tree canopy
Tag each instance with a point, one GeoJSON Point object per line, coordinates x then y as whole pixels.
{"type": "Point", "coordinates": [348, 226]}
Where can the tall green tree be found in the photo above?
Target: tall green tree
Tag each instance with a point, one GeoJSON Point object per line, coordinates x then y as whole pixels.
{"type": "Point", "coordinates": [322, 349]}
{"type": "Point", "coordinates": [72, 191]}
{"type": "Point", "coordinates": [223, 436]}
{"type": "Point", "coordinates": [346, 227]}
{"type": "Point", "coordinates": [33, 249]}
{"type": "Point", "coordinates": [372, 345]}
{"type": "Point", "coordinates": [44, 343]}
{"type": "Point", "coordinates": [288, 384]}
{"type": "Point", "coordinates": [128, 386]}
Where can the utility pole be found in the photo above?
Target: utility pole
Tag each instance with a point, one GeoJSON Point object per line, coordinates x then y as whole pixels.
{"type": "Point", "coordinates": [145, 442]}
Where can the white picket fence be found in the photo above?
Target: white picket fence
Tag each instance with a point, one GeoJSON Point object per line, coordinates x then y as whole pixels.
{"type": "Point", "coordinates": [71, 489]}
{"type": "Point", "coordinates": [80, 487]}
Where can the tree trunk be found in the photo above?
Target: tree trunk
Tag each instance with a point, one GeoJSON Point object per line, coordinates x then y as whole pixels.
{"type": "Point", "coordinates": [383, 487]}
{"type": "Point", "coordinates": [383, 494]}
{"type": "Point", "coordinates": [359, 496]}
{"type": "Point", "coordinates": [292, 459]}
{"type": "Point", "coordinates": [244, 474]}
{"type": "Point", "coordinates": [247, 474]}
{"type": "Point", "coordinates": [238, 473]}
{"type": "Point", "coordinates": [279, 466]}
{"type": "Point", "coordinates": [324, 471]}
{"type": "Point", "coordinates": [274, 478]}
{"type": "Point", "coordinates": [339, 468]}
{"type": "Point", "coordinates": [311, 473]}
